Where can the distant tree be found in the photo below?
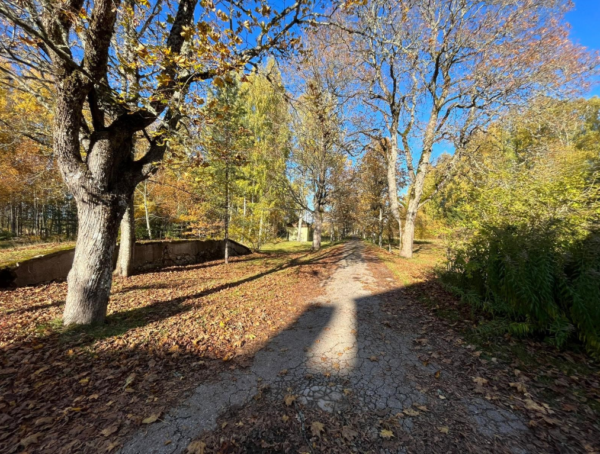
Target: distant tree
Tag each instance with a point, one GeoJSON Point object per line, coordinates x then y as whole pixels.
{"type": "Point", "coordinates": [442, 70]}
{"type": "Point", "coordinates": [319, 128]}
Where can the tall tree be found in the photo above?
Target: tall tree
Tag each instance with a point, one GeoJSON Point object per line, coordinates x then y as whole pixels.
{"type": "Point", "coordinates": [81, 51]}
{"type": "Point", "coordinates": [441, 70]}
{"type": "Point", "coordinates": [319, 127]}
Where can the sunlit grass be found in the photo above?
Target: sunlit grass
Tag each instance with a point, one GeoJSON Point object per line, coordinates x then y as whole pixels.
{"type": "Point", "coordinates": [285, 247]}
{"type": "Point", "coordinates": [15, 254]}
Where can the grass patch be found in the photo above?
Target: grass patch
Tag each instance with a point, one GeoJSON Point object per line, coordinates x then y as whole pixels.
{"type": "Point", "coordinates": [11, 255]}
{"type": "Point", "coordinates": [286, 247]}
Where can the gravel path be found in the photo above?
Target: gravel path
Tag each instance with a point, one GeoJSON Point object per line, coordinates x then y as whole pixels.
{"type": "Point", "coordinates": [341, 356]}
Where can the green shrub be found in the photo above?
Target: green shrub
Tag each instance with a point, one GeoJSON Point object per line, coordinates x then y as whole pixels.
{"type": "Point", "coordinates": [539, 278]}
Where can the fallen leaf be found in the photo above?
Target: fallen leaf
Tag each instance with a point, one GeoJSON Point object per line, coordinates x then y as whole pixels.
{"type": "Point", "coordinates": [438, 373]}
{"type": "Point", "coordinates": [373, 358]}
{"type": "Point", "coordinates": [129, 381]}
{"type": "Point", "coordinates": [285, 418]}
{"type": "Point", "coordinates": [196, 447]}
{"type": "Point", "coordinates": [45, 420]}
{"type": "Point", "coordinates": [30, 440]}
{"type": "Point", "coordinates": [290, 399]}
{"type": "Point", "coordinates": [316, 428]}
{"type": "Point", "coordinates": [444, 429]}
{"type": "Point", "coordinates": [110, 430]}
{"type": "Point", "coordinates": [410, 412]}
{"type": "Point", "coordinates": [385, 433]}
{"type": "Point", "coordinates": [150, 419]}
{"type": "Point", "coordinates": [348, 433]}
{"type": "Point", "coordinates": [531, 405]}
{"type": "Point", "coordinates": [519, 387]}
{"type": "Point", "coordinates": [112, 445]}
{"type": "Point", "coordinates": [480, 381]}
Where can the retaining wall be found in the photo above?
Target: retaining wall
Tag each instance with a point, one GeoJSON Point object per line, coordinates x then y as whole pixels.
{"type": "Point", "coordinates": [147, 256]}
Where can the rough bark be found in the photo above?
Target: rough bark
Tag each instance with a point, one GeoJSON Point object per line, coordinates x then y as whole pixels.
{"type": "Point", "coordinates": [318, 225]}
{"type": "Point", "coordinates": [90, 277]}
{"type": "Point", "coordinates": [391, 154]}
{"type": "Point", "coordinates": [127, 244]}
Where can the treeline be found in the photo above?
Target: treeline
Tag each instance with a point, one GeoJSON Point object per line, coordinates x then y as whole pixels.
{"type": "Point", "coordinates": [34, 202]}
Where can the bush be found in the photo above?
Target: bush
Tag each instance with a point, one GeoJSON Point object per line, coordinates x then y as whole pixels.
{"type": "Point", "coordinates": [544, 282]}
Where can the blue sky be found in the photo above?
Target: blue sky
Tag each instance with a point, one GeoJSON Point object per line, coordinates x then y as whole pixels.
{"type": "Point", "coordinates": [585, 27]}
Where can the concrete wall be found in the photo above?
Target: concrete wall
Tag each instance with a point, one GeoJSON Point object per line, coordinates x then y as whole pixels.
{"type": "Point", "coordinates": [148, 256]}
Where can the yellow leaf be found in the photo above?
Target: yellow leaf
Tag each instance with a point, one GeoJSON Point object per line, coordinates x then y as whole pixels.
{"type": "Point", "coordinates": [129, 380]}
{"type": "Point", "coordinates": [410, 412]}
{"type": "Point", "coordinates": [444, 429]}
{"type": "Point", "coordinates": [196, 447]}
{"type": "Point", "coordinates": [289, 399]}
{"type": "Point", "coordinates": [519, 386]}
{"type": "Point", "coordinates": [316, 428]}
{"type": "Point", "coordinates": [480, 381]}
{"type": "Point", "coordinates": [386, 433]}
{"type": "Point", "coordinates": [150, 419]}
{"type": "Point", "coordinates": [110, 430]}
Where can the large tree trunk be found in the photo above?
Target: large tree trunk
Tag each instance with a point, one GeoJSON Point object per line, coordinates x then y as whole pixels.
{"type": "Point", "coordinates": [127, 245]}
{"type": "Point", "coordinates": [318, 226]}
{"type": "Point", "coordinates": [391, 154]}
{"type": "Point", "coordinates": [90, 277]}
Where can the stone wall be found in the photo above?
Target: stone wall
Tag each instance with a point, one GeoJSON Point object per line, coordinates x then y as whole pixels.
{"type": "Point", "coordinates": [148, 256]}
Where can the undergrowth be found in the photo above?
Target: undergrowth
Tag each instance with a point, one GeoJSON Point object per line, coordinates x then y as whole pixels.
{"type": "Point", "coordinates": [533, 282]}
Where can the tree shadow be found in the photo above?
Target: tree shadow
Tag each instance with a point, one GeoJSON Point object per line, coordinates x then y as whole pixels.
{"type": "Point", "coordinates": [34, 308]}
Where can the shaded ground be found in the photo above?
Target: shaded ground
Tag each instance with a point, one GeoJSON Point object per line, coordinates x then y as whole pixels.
{"type": "Point", "coordinates": [356, 375]}
{"type": "Point", "coordinates": [73, 390]}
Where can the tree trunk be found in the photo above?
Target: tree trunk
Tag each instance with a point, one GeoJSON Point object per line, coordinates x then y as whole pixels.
{"type": "Point", "coordinates": [260, 230]}
{"type": "Point", "coordinates": [415, 192]}
{"type": "Point", "coordinates": [391, 153]}
{"type": "Point", "coordinates": [380, 227]}
{"type": "Point", "coordinates": [146, 210]}
{"type": "Point", "coordinates": [90, 277]}
{"type": "Point", "coordinates": [127, 245]}
{"type": "Point", "coordinates": [318, 224]}
{"type": "Point", "coordinates": [227, 214]}
{"type": "Point", "coordinates": [300, 227]}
